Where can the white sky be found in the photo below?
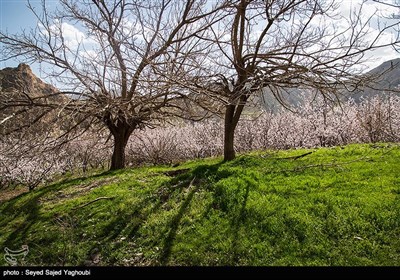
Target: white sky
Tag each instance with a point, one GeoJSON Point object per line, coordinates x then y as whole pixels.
{"type": "Point", "coordinates": [384, 12]}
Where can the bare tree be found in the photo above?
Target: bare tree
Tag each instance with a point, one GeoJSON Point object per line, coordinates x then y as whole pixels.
{"type": "Point", "coordinates": [107, 55]}
{"type": "Point", "coordinates": [280, 45]}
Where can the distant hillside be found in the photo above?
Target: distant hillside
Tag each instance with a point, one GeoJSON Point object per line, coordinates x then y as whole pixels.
{"type": "Point", "coordinates": [291, 97]}
{"type": "Point", "coordinates": [20, 86]}
{"type": "Point", "coordinates": [390, 73]}
{"type": "Point", "coordinates": [21, 78]}
{"type": "Point", "coordinates": [385, 77]}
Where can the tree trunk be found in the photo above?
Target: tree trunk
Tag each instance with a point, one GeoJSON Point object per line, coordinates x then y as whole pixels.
{"type": "Point", "coordinates": [121, 137]}
{"type": "Point", "coordinates": [232, 116]}
{"type": "Point", "coordinates": [229, 133]}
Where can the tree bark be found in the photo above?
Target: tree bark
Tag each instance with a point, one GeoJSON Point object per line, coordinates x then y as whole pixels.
{"type": "Point", "coordinates": [121, 136]}
{"type": "Point", "coordinates": [232, 116]}
{"type": "Point", "coordinates": [229, 133]}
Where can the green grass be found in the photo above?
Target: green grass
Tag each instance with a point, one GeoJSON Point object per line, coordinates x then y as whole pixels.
{"type": "Point", "coordinates": [338, 206]}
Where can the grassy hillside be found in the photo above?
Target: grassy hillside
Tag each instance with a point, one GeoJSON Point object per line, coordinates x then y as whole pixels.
{"type": "Point", "coordinates": [336, 206]}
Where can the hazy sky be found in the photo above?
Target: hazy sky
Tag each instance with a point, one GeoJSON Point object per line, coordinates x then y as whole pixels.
{"type": "Point", "coordinates": [15, 16]}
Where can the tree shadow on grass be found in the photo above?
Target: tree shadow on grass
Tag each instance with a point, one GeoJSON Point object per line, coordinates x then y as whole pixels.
{"type": "Point", "coordinates": [230, 198]}
{"type": "Point", "coordinates": [28, 205]}
{"type": "Point", "coordinates": [237, 221]}
{"type": "Point", "coordinates": [127, 224]}
{"type": "Point", "coordinates": [174, 224]}
{"type": "Point", "coordinates": [235, 209]}
{"type": "Point", "coordinates": [191, 182]}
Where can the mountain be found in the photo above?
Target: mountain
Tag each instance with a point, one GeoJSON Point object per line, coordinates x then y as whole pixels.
{"type": "Point", "coordinates": [22, 79]}
{"type": "Point", "coordinates": [19, 86]}
{"type": "Point", "coordinates": [383, 78]}
{"type": "Point", "coordinates": [386, 77]}
{"type": "Point", "coordinates": [389, 72]}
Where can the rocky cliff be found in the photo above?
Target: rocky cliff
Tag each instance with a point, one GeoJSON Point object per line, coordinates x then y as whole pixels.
{"type": "Point", "coordinates": [22, 79]}
{"type": "Point", "coordinates": [20, 89]}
